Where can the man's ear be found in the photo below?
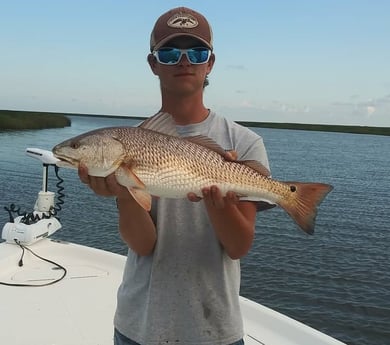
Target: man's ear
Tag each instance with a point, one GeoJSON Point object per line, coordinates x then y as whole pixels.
{"type": "Point", "coordinates": [211, 63]}
{"type": "Point", "coordinates": [152, 63]}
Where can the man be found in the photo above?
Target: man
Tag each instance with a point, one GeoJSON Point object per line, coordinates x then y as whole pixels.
{"type": "Point", "coordinates": [182, 277]}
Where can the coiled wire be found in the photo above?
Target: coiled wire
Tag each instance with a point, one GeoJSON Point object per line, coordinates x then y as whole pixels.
{"type": "Point", "coordinates": [30, 217]}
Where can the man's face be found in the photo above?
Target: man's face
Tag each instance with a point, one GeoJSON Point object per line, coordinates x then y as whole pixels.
{"type": "Point", "coordinates": [183, 77]}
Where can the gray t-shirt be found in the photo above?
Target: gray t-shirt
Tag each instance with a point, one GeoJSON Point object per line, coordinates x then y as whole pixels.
{"type": "Point", "coordinates": [187, 291]}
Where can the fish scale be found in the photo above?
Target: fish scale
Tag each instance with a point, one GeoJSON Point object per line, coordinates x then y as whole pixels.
{"type": "Point", "coordinates": [153, 160]}
{"type": "Point", "coordinates": [179, 166]}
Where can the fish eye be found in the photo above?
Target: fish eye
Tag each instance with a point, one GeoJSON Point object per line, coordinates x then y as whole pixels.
{"type": "Point", "coordinates": [75, 145]}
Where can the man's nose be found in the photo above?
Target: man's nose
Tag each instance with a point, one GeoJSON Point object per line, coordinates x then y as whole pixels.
{"type": "Point", "coordinates": [184, 60]}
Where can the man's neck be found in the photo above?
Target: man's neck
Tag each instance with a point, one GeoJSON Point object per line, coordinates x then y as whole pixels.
{"type": "Point", "coordinates": [185, 110]}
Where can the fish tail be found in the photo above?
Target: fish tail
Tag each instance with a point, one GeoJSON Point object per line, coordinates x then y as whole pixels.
{"type": "Point", "coordinates": [302, 205]}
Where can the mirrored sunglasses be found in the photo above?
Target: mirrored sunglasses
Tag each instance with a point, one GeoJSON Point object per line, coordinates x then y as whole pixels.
{"type": "Point", "coordinates": [172, 56]}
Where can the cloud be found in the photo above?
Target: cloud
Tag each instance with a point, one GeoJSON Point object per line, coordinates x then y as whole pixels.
{"type": "Point", "coordinates": [370, 110]}
{"type": "Point", "coordinates": [383, 100]}
{"type": "Point", "coordinates": [342, 104]}
{"type": "Point", "coordinates": [247, 104]}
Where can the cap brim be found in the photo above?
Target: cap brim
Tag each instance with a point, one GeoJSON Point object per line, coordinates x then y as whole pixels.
{"type": "Point", "coordinates": [168, 38]}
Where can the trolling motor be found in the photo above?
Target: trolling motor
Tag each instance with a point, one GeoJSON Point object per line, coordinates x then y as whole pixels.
{"type": "Point", "coordinates": [28, 228]}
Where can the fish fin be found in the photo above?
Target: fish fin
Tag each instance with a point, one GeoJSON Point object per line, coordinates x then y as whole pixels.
{"type": "Point", "coordinates": [126, 177]}
{"type": "Point", "coordinates": [302, 206]}
{"type": "Point", "coordinates": [142, 197]}
{"type": "Point", "coordinates": [202, 140]}
{"type": "Point", "coordinates": [209, 143]}
{"type": "Point", "coordinates": [256, 165]}
{"type": "Point", "coordinates": [131, 179]}
{"type": "Point", "coordinates": [162, 123]}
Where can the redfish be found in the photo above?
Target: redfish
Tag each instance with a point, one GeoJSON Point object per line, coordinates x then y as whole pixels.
{"type": "Point", "coordinates": [152, 159]}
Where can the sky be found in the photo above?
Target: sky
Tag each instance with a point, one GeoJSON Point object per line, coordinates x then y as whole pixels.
{"type": "Point", "coordinates": [301, 61]}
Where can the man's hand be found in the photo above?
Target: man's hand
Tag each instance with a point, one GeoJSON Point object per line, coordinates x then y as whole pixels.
{"type": "Point", "coordinates": [103, 186]}
{"type": "Point", "coordinates": [135, 224]}
{"type": "Point", "coordinates": [212, 196]}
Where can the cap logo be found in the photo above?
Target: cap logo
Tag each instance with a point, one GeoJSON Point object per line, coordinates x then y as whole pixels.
{"type": "Point", "coordinates": [182, 20]}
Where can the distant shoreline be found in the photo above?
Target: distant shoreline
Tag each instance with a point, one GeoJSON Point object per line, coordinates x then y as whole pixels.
{"type": "Point", "coordinates": [320, 128]}
{"type": "Point", "coordinates": [14, 120]}
{"type": "Point", "coordinates": [39, 120]}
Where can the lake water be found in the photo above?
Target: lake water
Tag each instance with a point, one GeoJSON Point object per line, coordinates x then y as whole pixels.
{"type": "Point", "coordinates": [337, 281]}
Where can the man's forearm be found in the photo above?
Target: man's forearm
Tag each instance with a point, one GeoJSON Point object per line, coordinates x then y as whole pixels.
{"type": "Point", "coordinates": [136, 227]}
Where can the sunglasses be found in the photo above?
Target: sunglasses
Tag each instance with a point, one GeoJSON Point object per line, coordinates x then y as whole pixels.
{"type": "Point", "coordinates": [172, 56]}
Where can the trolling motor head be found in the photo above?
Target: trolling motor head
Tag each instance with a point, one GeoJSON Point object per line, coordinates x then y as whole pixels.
{"type": "Point", "coordinates": [29, 228]}
{"type": "Point", "coordinates": [46, 157]}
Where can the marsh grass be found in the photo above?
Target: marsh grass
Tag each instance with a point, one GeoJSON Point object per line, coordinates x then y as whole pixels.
{"type": "Point", "coordinates": [22, 120]}
{"type": "Point", "coordinates": [322, 128]}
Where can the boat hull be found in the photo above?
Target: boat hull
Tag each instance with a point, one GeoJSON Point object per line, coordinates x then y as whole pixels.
{"type": "Point", "coordinates": [79, 309]}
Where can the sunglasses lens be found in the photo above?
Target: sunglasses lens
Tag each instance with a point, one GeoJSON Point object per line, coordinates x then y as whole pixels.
{"type": "Point", "coordinates": [198, 55]}
{"type": "Point", "coordinates": [171, 56]}
{"type": "Point", "coordinates": [168, 56]}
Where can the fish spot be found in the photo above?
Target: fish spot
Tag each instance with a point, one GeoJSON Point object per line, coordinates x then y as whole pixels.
{"type": "Point", "coordinates": [293, 188]}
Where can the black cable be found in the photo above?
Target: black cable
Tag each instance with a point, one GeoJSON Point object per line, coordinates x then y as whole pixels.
{"type": "Point", "coordinates": [60, 193]}
{"type": "Point", "coordinates": [20, 263]}
{"type": "Point", "coordinates": [13, 209]}
{"type": "Point", "coordinates": [31, 218]}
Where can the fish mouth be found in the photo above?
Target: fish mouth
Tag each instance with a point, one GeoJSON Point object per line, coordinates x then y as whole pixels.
{"type": "Point", "coordinates": [66, 162]}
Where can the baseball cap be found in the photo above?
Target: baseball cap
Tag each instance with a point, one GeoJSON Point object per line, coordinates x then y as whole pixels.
{"type": "Point", "coordinates": [181, 21]}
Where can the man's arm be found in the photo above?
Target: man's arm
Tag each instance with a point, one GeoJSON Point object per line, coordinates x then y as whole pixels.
{"type": "Point", "coordinates": [233, 220]}
{"type": "Point", "coordinates": [135, 224]}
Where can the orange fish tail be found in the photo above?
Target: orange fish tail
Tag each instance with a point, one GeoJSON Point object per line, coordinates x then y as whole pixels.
{"type": "Point", "coordinates": [303, 201]}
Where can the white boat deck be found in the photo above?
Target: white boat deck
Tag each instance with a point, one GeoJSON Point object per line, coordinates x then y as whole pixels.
{"type": "Point", "coordinates": [79, 309]}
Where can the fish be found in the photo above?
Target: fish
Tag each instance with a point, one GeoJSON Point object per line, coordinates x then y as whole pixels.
{"type": "Point", "coordinates": [152, 159]}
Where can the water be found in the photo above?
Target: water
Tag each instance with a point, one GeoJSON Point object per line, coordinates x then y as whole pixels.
{"type": "Point", "coordinates": [337, 281]}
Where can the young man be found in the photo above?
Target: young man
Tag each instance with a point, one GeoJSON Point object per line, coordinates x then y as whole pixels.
{"type": "Point", "coordinates": [182, 277]}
